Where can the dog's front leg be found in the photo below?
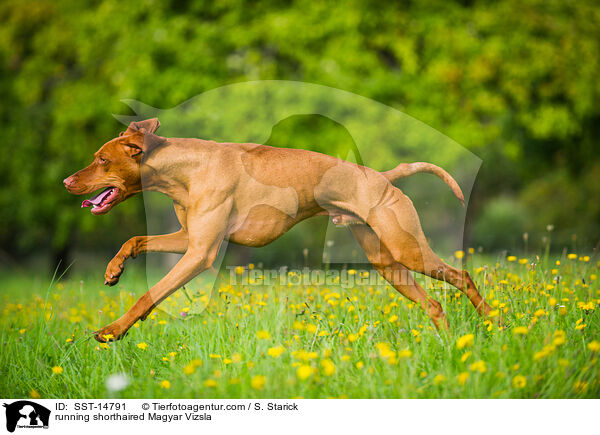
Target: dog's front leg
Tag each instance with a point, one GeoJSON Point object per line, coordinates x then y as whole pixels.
{"type": "Point", "coordinates": [206, 235]}
{"type": "Point", "coordinates": [174, 242]}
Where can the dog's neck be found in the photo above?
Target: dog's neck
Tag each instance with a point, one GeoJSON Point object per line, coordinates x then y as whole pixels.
{"type": "Point", "coordinates": [169, 172]}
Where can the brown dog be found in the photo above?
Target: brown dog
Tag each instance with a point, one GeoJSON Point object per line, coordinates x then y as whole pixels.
{"type": "Point", "coordinates": [252, 194]}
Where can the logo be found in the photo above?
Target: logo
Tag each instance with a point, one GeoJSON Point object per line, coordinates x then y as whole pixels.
{"type": "Point", "coordinates": [26, 414]}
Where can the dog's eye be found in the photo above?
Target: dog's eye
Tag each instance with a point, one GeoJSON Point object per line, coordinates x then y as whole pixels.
{"type": "Point", "coordinates": [101, 160]}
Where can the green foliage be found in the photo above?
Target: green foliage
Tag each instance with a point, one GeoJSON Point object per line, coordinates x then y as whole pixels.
{"type": "Point", "coordinates": [514, 81]}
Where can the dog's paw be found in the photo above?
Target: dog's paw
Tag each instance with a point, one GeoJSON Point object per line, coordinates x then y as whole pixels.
{"type": "Point", "coordinates": [111, 332]}
{"type": "Point", "coordinates": [114, 271]}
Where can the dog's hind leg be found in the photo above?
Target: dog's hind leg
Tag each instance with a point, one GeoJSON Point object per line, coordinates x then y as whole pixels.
{"type": "Point", "coordinates": [396, 223]}
{"type": "Point", "coordinates": [396, 274]}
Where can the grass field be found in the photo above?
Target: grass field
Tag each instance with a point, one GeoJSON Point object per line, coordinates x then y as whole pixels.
{"type": "Point", "coordinates": [312, 342]}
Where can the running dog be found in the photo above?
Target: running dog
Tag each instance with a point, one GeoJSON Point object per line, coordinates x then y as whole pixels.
{"type": "Point", "coordinates": [251, 194]}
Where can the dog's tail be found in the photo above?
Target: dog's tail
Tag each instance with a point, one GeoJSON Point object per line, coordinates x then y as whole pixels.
{"type": "Point", "coordinates": [407, 169]}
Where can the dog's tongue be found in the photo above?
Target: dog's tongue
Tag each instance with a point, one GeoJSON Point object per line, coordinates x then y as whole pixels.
{"type": "Point", "coordinates": [96, 200]}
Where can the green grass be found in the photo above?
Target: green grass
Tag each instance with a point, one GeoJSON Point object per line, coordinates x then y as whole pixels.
{"type": "Point", "coordinates": [341, 339]}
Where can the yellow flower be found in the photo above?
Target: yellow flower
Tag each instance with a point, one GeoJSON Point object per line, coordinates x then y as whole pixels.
{"type": "Point", "coordinates": [239, 270]}
{"type": "Point", "coordinates": [360, 365]}
{"type": "Point", "coordinates": [559, 338]}
{"type": "Point", "coordinates": [34, 394]}
{"type": "Point", "coordinates": [328, 367]}
{"type": "Point", "coordinates": [593, 346]}
{"type": "Point", "coordinates": [165, 384]}
{"type": "Point", "coordinates": [304, 371]}
{"type": "Point", "coordinates": [519, 381]}
{"type": "Point", "coordinates": [539, 313]}
{"type": "Point", "coordinates": [57, 370]}
{"type": "Point", "coordinates": [520, 330]}
{"type": "Point", "coordinates": [572, 256]}
{"type": "Point", "coordinates": [210, 383]}
{"type": "Point", "coordinates": [465, 356]}
{"type": "Point", "coordinates": [142, 345]}
{"type": "Point", "coordinates": [459, 254]}
{"type": "Point", "coordinates": [478, 366]}
{"type": "Point", "coordinates": [276, 351]}
{"type": "Point", "coordinates": [258, 382]}
{"type": "Point", "coordinates": [523, 260]}
{"type": "Point", "coordinates": [404, 353]}
{"type": "Point", "coordinates": [465, 341]}
{"type": "Point", "coordinates": [511, 258]}
{"type": "Point", "coordinates": [546, 350]}
{"type": "Point", "coordinates": [263, 335]}
{"type": "Point", "coordinates": [352, 338]}
{"type": "Point", "coordinates": [393, 318]}
{"type": "Point", "coordinates": [189, 369]}
{"type": "Point", "coordinates": [214, 356]}
{"type": "Point", "coordinates": [462, 378]}
{"type": "Point", "coordinates": [438, 379]}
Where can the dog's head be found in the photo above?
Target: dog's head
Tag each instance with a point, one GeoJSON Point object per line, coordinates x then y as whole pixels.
{"type": "Point", "coordinates": [116, 168]}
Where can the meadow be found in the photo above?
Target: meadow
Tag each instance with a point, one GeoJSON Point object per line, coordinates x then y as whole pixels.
{"type": "Point", "coordinates": [299, 341]}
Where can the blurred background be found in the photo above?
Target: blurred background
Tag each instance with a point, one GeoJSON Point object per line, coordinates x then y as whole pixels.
{"type": "Point", "coordinates": [514, 82]}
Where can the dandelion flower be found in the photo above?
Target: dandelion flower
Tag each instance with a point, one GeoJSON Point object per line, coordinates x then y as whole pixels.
{"type": "Point", "coordinates": [57, 370]}
{"type": "Point", "coordinates": [263, 335]}
{"type": "Point", "coordinates": [521, 330]}
{"type": "Point", "coordinates": [511, 258]}
{"type": "Point", "coordinates": [393, 318]}
{"type": "Point", "coordinates": [438, 379]}
{"type": "Point", "coordinates": [478, 366]}
{"type": "Point", "coordinates": [210, 383]}
{"type": "Point", "coordinates": [258, 382]}
{"type": "Point", "coordinates": [519, 381]}
{"type": "Point", "coordinates": [593, 346]}
{"type": "Point", "coordinates": [462, 378]}
{"type": "Point", "coordinates": [459, 254]}
{"type": "Point", "coordinates": [142, 345]}
{"type": "Point", "coordinates": [465, 341]}
{"type": "Point", "coordinates": [276, 351]}
{"type": "Point", "coordinates": [165, 384]}
{"type": "Point", "coordinates": [404, 353]}
{"type": "Point", "coordinates": [34, 394]}
{"type": "Point", "coordinates": [304, 372]}
{"type": "Point", "coordinates": [328, 367]}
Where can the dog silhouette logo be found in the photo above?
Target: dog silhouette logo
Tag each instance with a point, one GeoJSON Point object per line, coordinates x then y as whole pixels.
{"type": "Point", "coordinates": [26, 414]}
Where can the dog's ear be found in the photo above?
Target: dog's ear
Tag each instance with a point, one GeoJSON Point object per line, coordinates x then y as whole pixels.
{"type": "Point", "coordinates": [149, 125]}
{"type": "Point", "coordinates": [140, 142]}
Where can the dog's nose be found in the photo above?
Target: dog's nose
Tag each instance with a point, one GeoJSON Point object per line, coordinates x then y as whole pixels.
{"type": "Point", "coordinates": [68, 182]}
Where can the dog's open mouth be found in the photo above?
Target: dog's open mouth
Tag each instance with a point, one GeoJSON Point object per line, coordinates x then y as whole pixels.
{"type": "Point", "coordinates": [102, 202]}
